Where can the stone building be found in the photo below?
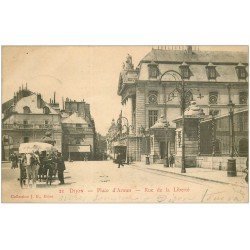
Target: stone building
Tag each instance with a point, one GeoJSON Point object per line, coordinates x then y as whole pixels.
{"type": "Point", "coordinates": [148, 92]}
{"type": "Point", "coordinates": [26, 118]}
{"type": "Point", "coordinates": [79, 134]}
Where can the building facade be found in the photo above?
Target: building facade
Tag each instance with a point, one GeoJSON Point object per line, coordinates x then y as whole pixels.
{"type": "Point", "coordinates": [150, 91]}
{"type": "Point", "coordinates": [79, 135]}
{"type": "Point", "coordinates": [27, 118]}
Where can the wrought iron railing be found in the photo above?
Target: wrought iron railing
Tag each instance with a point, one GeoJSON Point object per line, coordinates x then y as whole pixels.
{"type": "Point", "coordinates": [31, 126]}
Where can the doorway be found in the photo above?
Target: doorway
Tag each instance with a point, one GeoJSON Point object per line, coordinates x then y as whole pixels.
{"type": "Point", "coordinates": [162, 149]}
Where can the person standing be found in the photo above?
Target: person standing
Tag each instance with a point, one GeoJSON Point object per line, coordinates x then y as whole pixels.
{"type": "Point", "coordinates": [246, 171]}
{"type": "Point", "coordinates": [14, 160]}
{"type": "Point", "coordinates": [171, 161]}
{"type": "Point", "coordinates": [28, 161]}
{"type": "Point", "coordinates": [60, 168]}
{"type": "Point", "coordinates": [34, 167]}
{"type": "Point", "coordinates": [119, 160]}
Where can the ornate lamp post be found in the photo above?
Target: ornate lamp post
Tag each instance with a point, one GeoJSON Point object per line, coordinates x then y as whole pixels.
{"type": "Point", "coordinates": [231, 163]}
{"type": "Point", "coordinates": [127, 126]}
{"type": "Point", "coordinates": [183, 93]}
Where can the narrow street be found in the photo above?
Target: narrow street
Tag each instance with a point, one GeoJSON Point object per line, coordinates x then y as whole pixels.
{"type": "Point", "coordinates": [102, 181]}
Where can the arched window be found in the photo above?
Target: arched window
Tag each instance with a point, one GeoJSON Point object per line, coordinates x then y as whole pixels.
{"type": "Point", "coordinates": [46, 110]}
{"type": "Point", "coordinates": [243, 147]}
{"type": "Point", "coordinates": [26, 110]}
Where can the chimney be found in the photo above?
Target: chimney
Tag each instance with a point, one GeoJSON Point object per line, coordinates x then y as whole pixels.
{"type": "Point", "coordinates": [15, 98]}
{"type": "Point", "coordinates": [62, 103]}
{"type": "Point", "coordinates": [189, 49]}
{"type": "Point", "coordinates": [39, 101]}
{"type": "Point", "coordinates": [54, 97]}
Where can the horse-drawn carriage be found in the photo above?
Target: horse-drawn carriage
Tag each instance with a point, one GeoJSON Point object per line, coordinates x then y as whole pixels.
{"type": "Point", "coordinates": [45, 167]}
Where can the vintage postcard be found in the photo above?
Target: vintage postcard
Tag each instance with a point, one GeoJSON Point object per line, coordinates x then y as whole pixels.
{"type": "Point", "coordinates": [125, 124]}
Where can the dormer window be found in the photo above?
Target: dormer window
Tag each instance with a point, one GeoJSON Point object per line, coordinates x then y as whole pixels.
{"type": "Point", "coordinates": [243, 96]}
{"type": "Point", "coordinates": [211, 71]}
{"type": "Point", "coordinates": [185, 72]}
{"type": "Point", "coordinates": [241, 71]}
{"type": "Point", "coordinates": [153, 70]}
{"type": "Point", "coordinates": [46, 110]}
{"type": "Point", "coordinates": [26, 110]}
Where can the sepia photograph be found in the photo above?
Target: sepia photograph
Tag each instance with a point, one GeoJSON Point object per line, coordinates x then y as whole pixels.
{"type": "Point", "coordinates": [125, 124]}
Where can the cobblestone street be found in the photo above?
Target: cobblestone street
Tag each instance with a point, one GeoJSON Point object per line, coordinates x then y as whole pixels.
{"type": "Point", "coordinates": [102, 181]}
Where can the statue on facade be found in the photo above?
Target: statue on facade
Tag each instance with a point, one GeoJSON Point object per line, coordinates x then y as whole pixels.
{"type": "Point", "coordinates": [128, 63]}
{"type": "Point", "coordinates": [193, 109]}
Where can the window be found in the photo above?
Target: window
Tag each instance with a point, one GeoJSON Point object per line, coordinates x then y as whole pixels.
{"type": "Point", "coordinates": [25, 122]}
{"type": "Point", "coordinates": [243, 147]}
{"type": "Point", "coordinates": [243, 97]}
{"type": "Point", "coordinates": [241, 71]}
{"type": "Point", "coordinates": [243, 121]}
{"type": "Point", "coordinates": [153, 117]}
{"type": "Point", "coordinates": [78, 141]}
{"type": "Point", "coordinates": [25, 139]}
{"type": "Point", "coordinates": [26, 110]}
{"type": "Point", "coordinates": [78, 125]}
{"type": "Point", "coordinates": [153, 70]}
{"type": "Point", "coordinates": [46, 110]}
{"type": "Point", "coordinates": [46, 122]}
{"type": "Point", "coordinates": [213, 97]}
{"type": "Point", "coordinates": [211, 71]}
{"type": "Point", "coordinates": [185, 72]}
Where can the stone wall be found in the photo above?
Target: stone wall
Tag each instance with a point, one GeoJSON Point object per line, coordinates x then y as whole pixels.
{"type": "Point", "coordinates": [214, 162]}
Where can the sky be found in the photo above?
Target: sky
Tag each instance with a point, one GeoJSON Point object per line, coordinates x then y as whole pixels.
{"type": "Point", "coordinates": [78, 72]}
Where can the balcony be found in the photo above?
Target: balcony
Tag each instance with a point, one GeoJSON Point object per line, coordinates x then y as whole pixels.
{"type": "Point", "coordinates": [74, 130]}
{"type": "Point", "coordinates": [30, 127]}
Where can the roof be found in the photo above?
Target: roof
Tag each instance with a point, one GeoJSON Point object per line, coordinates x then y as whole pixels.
{"type": "Point", "coordinates": [75, 119]}
{"type": "Point", "coordinates": [159, 55]}
{"type": "Point", "coordinates": [7, 104]}
{"type": "Point", "coordinates": [31, 102]}
{"type": "Point", "coordinates": [225, 73]}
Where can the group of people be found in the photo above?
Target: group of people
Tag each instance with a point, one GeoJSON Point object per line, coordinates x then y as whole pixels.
{"type": "Point", "coordinates": [40, 165]}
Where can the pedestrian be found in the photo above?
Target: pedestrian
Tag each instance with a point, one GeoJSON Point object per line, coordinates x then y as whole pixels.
{"type": "Point", "coordinates": [28, 161]}
{"type": "Point", "coordinates": [171, 161]}
{"type": "Point", "coordinates": [60, 168]}
{"type": "Point", "coordinates": [246, 171]}
{"type": "Point", "coordinates": [34, 167]}
{"type": "Point", "coordinates": [119, 160]}
{"type": "Point", "coordinates": [14, 160]}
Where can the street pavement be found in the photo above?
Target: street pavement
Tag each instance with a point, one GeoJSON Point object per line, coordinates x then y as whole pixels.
{"type": "Point", "coordinates": [103, 182]}
{"type": "Point", "coordinates": [219, 176]}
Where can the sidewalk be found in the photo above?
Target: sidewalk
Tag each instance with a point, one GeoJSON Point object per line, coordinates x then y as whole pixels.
{"type": "Point", "coordinates": [199, 173]}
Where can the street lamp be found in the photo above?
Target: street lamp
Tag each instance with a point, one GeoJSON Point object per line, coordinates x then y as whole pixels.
{"type": "Point", "coordinates": [183, 93]}
{"type": "Point", "coordinates": [231, 162]}
{"type": "Point", "coordinates": [127, 126]}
